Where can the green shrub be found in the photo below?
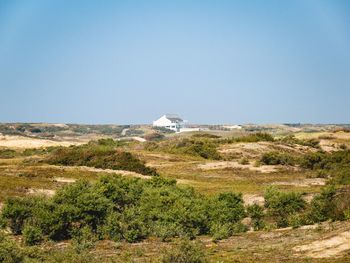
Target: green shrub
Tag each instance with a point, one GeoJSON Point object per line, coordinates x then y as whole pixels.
{"type": "Point", "coordinates": [244, 161]}
{"type": "Point", "coordinates": [171, 211]}
{"type": "Point", "coordinates": [100, 154]}
{"type": "Point", "coordinates": [221, 231]}
{"type": "Point", "coordinates": [253, 137]}
{"type": "Point", "coordinates": [15, 211]}
{"type": "Point", "coordinates": [9, 250]}
{"type": "Point", "coordinates": [84, 239]}
{"type": "Point", "coordinates": [224, 211]}
{"type": "Point", "coordinates": [32, 235]}
{"type": "Point", "coordinates": [199, 147]}
{"type": "Point", "coordinates": [7, 153]}
{"type": "Point", "coordinates": [291, 139]}
{"type": "Point", "coordinates": [256, 213]}
{"type": "Point", "coordinates": [282, 205]}
{"type": "Point", "coordinates": [276, 158]}
{"type": "Point", "coordinates": [185, 251]}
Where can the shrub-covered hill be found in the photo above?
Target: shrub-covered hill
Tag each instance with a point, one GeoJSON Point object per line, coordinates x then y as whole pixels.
{"type": "Point", "coordinates": [103, 154]}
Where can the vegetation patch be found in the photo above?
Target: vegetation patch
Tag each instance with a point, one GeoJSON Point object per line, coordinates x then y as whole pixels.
{"type": "Point", "coordinates": [129, 209]}
{"type": "Point", "coordinates": [198, 147]}
{"type": "Point", "coordinates": [102, 154]}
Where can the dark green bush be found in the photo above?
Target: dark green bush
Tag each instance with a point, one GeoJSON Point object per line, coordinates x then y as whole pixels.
{"type": "Point", "coordinates": [225, 211]}
{"type": "Point", "coordinates": [122, 208]}
{"type": "Point", "coordinates": [10, 252]}
{"type": "Point", "coordinates": [276, 158]}
{"type": "Point", "coordinates": [32, 235]}
{"type": "Point", "coordinates": [281, 205]}
{"type": "Point", "coordinates": [330, 204]}
{"type": "Point", "coordinates": [256, 213]}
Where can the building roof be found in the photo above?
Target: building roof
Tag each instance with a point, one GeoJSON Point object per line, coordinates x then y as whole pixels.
{"type": "Point", "coordinates": [173, 118]}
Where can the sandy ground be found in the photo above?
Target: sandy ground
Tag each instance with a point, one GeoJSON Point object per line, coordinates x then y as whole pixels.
{"type": "Point", "coordinates": [235, 164]}
{"type": "Point", "coordinates": [326, 248]}
{"type": "Point", "coordinates": [250, 199]}
{"type": "Point", "coordinates": [97, 170]}
{"type": "Point", "coordinates": [64, 180]}
{"type": "Point", "coordinates": [25, 142]}
{"type": "Point", "coordinates": [40, 191]}
{"type": "Point", "coordinates": [255, 149]}
{"type": "Point", "coordinates": [304, 182]}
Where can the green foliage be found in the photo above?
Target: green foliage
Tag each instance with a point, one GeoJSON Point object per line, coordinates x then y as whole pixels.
{"type": "Point", "coordinates": [185, 251]}
{"type": "Point", "coordinates": [32, 235]}
{"type": "Point", "coordinates": [291, 139]}
{"type": "Point", "coordinates": [253, 137]}
{"type": "Point", "coordinates": [335, 165]}
{"type": "Point", "coordinates": [163, 130]}
{"type": "Point", "coordinates": [205, 135]}
{"type": "Point", "coordinates": [225, 211]}
{"type": "Point", "coordinates": [244, 161]}
{"type": "Point", "coordinates": [256, 213]}
{"type": "Point", "coordinates": [84, 239]}
{"type": "Point", "coordinates": [16, 211]}
{"type": "Point", "coordinates": [171, 211]}
{"type": "Point", "coordinates": [282, 205]}
{"type": "Point", "coordinates": [199, 147]}
{"type": "Point", "coordinates": [276, 158]}
{"type": "Point", "coordinates": [9, 250]}
{"type": "Point", "coordinates": [120, 208]}
{"type": "Point", "coordinates": [154, 137]}
{"type": "Point", "coordinates": [101, 154]}
{"type": "Point", "coordinates": [7, 153]}
{"type": "Point", "coordinates": [329, 204]}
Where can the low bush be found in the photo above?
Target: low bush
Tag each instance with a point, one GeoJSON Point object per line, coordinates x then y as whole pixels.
{"type": "Point", "coordinates": [32, 235]}
{"type": "Point", "coordinates": [253, 137]}
{"type": "Point", "coordinates": [256, 213]}
{"type": "Point", "coordinates": [101, 154]}
{"type": "Point", "coordinates": [330, 204]}
{"type": "Point", "coordinates": [199, 147]}
{"type": "Point", "coordinates": [291, 139]}
{"type": "Point", "coordinates": [276, 158]}
{"type": "Point", "coordinates": [120, 208]}
{"type": "Point", "coordinates": [7, 153]}
{"type": "Point", "coordinates": [185, 251]}
{"type": "Point", "coordinates": [282, 205]}
{"type": "Point", "coordinates": [9, 250]}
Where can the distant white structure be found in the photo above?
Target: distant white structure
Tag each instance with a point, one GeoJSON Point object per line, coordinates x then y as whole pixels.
{"type": "Point", "coordinates": [232, 127]}
{"type": "Point", "coordinates": [170, 121]}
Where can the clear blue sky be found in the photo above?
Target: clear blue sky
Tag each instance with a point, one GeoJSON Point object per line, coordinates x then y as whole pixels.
{"type": "Point", "coordinates": [209, 61]}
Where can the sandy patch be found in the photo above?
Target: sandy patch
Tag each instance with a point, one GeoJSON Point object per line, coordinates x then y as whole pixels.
{"type": "Point", "coordinates": [64, 180]}
{"type": "Point", "coordinates": [98, 170]}
{"type": "Point", "coordinates": [326, 248]}
{"type": "Point", "coordinates": [328, 146]}
{"type": "Point", "coordinates": [234, 164]}
{"type": "Point", "coordinates": [39, 191]}
{"type": "Point", "coordinates": [304, 182]}
{"type": "Point", "coordinates": [250, 199]}
{"type": "Point", "coordinates": [25, 142]}
{"type": "Point", "coordinates": [255, 149]}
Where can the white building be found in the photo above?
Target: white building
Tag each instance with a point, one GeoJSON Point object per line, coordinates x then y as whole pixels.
{"type": "Point", "coordinates": [169, 121]}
